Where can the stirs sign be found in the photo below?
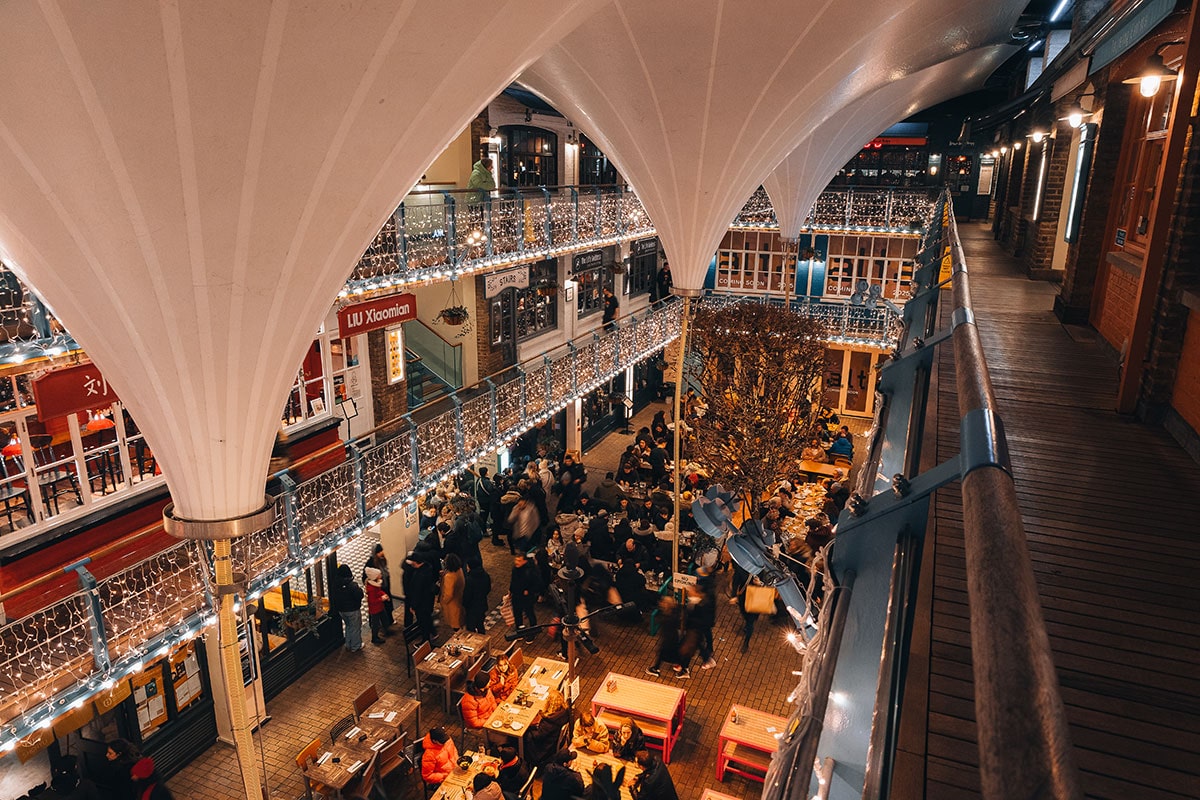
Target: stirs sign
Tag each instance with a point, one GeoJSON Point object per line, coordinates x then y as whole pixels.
{"type": "Point", "coordinates": [375, 314]}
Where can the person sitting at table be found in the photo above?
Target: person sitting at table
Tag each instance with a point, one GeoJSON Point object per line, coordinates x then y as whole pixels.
{"type": "Point", "coordinates": [542, 738]}
{"type": "Point", "coordinates": [814, 451]}
{"type": "Point", "coordinates": [608, 493]}
{"type": "Point", "coordinates": [513, 773]}
{"type": "Point", "coordinates": [503, 679]}
{"type": "Point", "coordinates": [602, 545]}
{"type": "Point", "coordinates": [655, 781]}
{"type": "Point", "coordinates": [817, 532]}
{"type": "Point", "coordinates": [628, 740]}
{"type": "Point", "coordinates": [560, 781]}
{"type": "Point", "coordinates": [589, 734]}
{"type": "Point", "coordinates": [605, 785]}
{"type": "Point", "coordinates": [478, 702]}
{"type": "Point", "coordinates": [629, 471]}
{"type": "Point", "coordinates": [842, 445]}
{"type": "Point", "coordinates": [486, 787]}
{"type": "Point", "coordinates": [439, 758]}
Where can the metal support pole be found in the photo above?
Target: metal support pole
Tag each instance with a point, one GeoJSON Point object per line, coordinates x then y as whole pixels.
{"type": "Point", "coordinates": [683, 343]}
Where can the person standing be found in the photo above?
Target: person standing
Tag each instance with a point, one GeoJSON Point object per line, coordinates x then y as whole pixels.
{"type": "Point", "coordinates": [668, 639]}
{"type": "Point", "coordinates": [453, 585]}
{"type": "Point", "coordinates": [611, 308]}
{"type": "Point", "coordinates": [484, 490]}
{"type": "Point", "coordinates": [346, 599]}
{"type": "Point", "coordinates": [147, 783]}
{"type": "Point", "coordinates": [662, 284]}
{"type": "Point", "coordinates": [481, 180]}
{"type": "Point", "coordinates": [475, 595]}
{"type": "Point", "coordinates": [419, 591]}
{"type": "Point", "coordinates": [524, 587]}
{"type": "Point", "coordinates": [375, 604]}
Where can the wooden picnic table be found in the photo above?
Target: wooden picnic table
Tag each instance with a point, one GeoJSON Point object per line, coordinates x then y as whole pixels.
{"type": "Point", "coordinates": [746, 746]}
{"type": "Point", "coordinates": [585, 763]}
{"type": "Point", "coordinates": [658, 709]}
{"type": "Point", "coordinates": [393, 709]}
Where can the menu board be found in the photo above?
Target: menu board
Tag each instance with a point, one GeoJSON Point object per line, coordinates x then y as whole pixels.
{"type": "Point", "coordinates": [395, 354]}
{"type": "Point", "coordinates": [150, 697]}
{"type": "Point", "coordinates": [185, 676]}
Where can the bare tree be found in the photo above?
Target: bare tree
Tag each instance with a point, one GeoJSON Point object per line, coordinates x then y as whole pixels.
{"type": "Point", "coordinates": [758, 369]}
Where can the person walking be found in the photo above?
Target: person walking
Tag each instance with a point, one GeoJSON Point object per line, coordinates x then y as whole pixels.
{"type": "Point", "coordinates": [475, 595]}
{"type": "Point", "coordinates": [453, 586]}
{"type": "Point", "coordinates": [702, 616]}
{"type": "Point", "coordinates": [346, 599]}
{"type": "Point", "coordinates": [668, 639]}
{"type": "Point", "coordinates": [524, 587]}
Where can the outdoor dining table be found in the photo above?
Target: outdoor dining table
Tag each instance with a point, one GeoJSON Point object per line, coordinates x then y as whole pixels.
{"type": "Point", "coordinates": [818, 469]}
{"type": "Point", "coordinates": [711, 794]}
{"type": "Point", "coordinates": [338, 764]}
{"type": "Point", "coordinates": [513, 717]}
{"type": "Point", "coordinates": [746, 746]}
{"type": "Point", "coordinates": [460, 779]}
{"type": "Point", "coordinates": [450, 660]}
{"type": "Point", "coordinates": [393, 710]}
{"type": "Point", "coordinates": [658, 709]}
{"type": "Point", "coordinates": [585, 764]}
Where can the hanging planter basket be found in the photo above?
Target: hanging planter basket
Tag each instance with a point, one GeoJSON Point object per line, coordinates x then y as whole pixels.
{"type": "Point", "coordinates": [454, 315]}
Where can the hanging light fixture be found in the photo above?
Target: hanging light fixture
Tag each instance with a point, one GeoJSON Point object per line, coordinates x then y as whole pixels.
{"type": "Point", "coordinates": [1037, 136]}
{"type": "Point", "coordinates": [1153, 73]}
{"type": "Point", "coordinates": [1076, 114]}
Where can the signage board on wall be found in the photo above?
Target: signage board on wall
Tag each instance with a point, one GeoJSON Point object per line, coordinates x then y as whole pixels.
{"type": "Point", "coordinates": [986, 170]}
{"type": "Point", "coordinates": [65, 391]}
{"type": "Point", "coordinates": [642, 247]}
{"type": "Point", "coordinates": [586, 261]}
{"type": "Point", "coordinates": [375, 314]}
{"type": "Point", "coordinates": [497, 282]}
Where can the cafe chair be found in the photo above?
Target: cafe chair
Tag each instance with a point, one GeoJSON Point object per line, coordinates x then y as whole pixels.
{"type": "Point", "coordinates": [412, 634]}
{"type": "Point", "coordinates": [366, 785]}
{"type": "Point", "coordinates": [526, 792]}
{"type": "Point", "coordinates": [394, 757]}
{"type": "Point", "coordinates": [517, 659]}
{"type": "Point", "coordinates": [472, 672]}
{"type": "Point", "coordinates": [413, 754]}
{"type": "Point", "coordinates": [341, 726]}
{"type": "Point", "coordinates": [13, 491]}
{"type": "Point", "coordinates": [365, 700]}
{"type": "Point", "coordinates": [303, 759]}
{"type": "Point", "coordinates": [418, 656]}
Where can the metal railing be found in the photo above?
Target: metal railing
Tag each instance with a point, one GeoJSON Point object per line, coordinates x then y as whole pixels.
{"type": "Point", "coordinates": [843, 747]}
{"type": "Point", "coordinates": [880, 326]}
{"type": "Point", "coordinates": [75, 648]}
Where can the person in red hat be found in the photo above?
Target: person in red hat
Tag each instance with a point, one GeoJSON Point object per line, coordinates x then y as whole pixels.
{"type": "Point", "coordinates": [147, 783]}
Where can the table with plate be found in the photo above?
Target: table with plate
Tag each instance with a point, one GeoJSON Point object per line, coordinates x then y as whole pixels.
{"type": "Point", "coordinates": [460, 779]}
{"type": "Point", "coordinates": [337, 765]}
{"type": "Point", "coordinates": [585, 763]}
{"type": "Point", "coordinates": [658, 709]}
{"type": "Point", "coordinates": [745, 746]}
{"type": "Point", "coordinates": [452, 659]}
{"type": "Point", "coordinates": [513, 716]}
{"type": "Point", "coordinates": [818, 469]}
{"type": "Point", "coordinates": [393, 710]}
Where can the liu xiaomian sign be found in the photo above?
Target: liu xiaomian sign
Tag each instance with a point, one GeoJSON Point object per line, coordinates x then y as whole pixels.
{"type": "Point", "coordinates": [376, 314]}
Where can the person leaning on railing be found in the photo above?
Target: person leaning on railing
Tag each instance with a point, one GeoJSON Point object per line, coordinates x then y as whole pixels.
{"type": "Point", "coordinates": [481, 181]}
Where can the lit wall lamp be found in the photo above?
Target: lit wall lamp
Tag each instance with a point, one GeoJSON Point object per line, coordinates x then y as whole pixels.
{"type": "Point", "coordinates": [1037, 136]}
{"type": "Point", "coordinates": [1153, 73]}
{"type": "Point", "coordinates": [1017, 145]}
{"type": "Point", "coordinates": [1076, 114]}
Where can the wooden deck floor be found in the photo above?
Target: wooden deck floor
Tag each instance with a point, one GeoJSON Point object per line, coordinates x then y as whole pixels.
{"type": "Point", "coordinates": [1112, 515]}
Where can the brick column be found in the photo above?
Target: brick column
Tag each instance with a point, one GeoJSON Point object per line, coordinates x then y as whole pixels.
{"type": "Point", "coordinates": [1181, 272]}
{"type": "Point", "coordinates": [490, 361]}
{"type": "Point", "coordinates": [389, 400]}
{"type": "Point", "coordinates": [1043, 234]}
{"type": "Point", "coordinates": [1085, 257]}
{"type": "Point", "coordinates": [480, 128]}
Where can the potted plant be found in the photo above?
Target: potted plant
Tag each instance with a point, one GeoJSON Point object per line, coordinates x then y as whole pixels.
{"type": "Point", "coordinates": [453, 315]}
{"type": "Point", "coordinates": [547, 287]}
{"type": "Point", "coordinates": [301, 619]}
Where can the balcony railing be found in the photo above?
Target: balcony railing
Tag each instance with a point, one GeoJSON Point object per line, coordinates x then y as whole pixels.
{"type": "Point", "coordinates": [851, 210]}
{"type": "Point", "coordinates": [880, 326]}
{"type": "Point", "coordinates": [846, 724]}
{"type": "Point", "coordinates": [75, 648]}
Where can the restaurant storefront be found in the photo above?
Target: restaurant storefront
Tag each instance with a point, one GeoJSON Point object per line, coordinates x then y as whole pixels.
{"type": "Point", "coordinates": [850, 377]}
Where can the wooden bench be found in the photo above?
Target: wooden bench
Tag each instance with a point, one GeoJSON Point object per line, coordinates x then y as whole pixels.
{"type": "Point", "coordinates": [655, 732]}
{"type": "Point", "coordinates": [745, 761]}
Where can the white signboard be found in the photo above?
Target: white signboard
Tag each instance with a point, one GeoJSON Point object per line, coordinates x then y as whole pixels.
{"type": "Point", "coordinates": [682, 579]}
{"type": "Point", "coordinates": [497, 282]}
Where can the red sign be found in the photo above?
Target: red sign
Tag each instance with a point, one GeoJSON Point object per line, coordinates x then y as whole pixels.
{"type": "Point", "coordinates": [65, 391]}
{"type": "Point", "coordinates": [375, 314]}
{"type": "Point", "coordinates": [897, 141]}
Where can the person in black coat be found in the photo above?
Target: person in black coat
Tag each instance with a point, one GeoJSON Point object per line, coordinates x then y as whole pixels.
{"type": "Point", "coordinates": [475, 594]}
{"type": "Point", "coordinates": [599, 540]}
{"type": "Point", "coordinates": [560, 782]}
{"type": "Point", "coordinates": [513, 772]}
{"type": "Point", "coordinates": [345, 598]}
{"type": "Point", "coordinates": [420, 581]}
{"type": "Point", "coordinates": [524, 588]}
{"type": "Point", "coordinates": [655, 781]}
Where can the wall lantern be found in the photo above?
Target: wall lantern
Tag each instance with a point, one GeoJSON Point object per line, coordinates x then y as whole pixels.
{"type": "Point", "coordinates": [1153, 73]}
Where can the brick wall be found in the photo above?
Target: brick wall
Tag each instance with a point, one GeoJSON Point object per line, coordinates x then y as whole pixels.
{"type": "Point", "coordinates": [480, 128]}
{"type": "Point", "coordinates": [1114, 317]}
{"type": "Point", "coordinates": [490, 361]}
{"type": "Point", "coordinates": [1043, 234]}
{"type": "Point", "coordinates": [1085, 257]}
{"type": "Point", "coordinates": [389, 400]}
{"type": "Point", "coordinates": [1171, 362]}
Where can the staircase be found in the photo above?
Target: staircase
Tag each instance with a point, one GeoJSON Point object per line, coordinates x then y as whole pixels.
{"type": "Point", "coordinates": [433, 366]}
{"type": "Point", "coordinates": [424, 385]}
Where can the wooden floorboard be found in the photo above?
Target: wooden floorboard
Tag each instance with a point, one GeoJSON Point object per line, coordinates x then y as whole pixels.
{"type": "Point", "coordinates": [1110, 509]}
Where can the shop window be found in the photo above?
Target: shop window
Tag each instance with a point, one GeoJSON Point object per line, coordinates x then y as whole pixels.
{"type": "Point", "coordinates": [643, 266]}
{"type": "Point", "coordinates": [528, 157]}
{"type": "Point", "coordinates": [520, 314]}
{"type": "Point", "coordinates": [589, 290]}
{"type": "Point", "coordinates": [594, 167]}
{"type": "Point", "coordinates": [307, 398]}
{"type": "Point", "coordinates": [885, 261]}
{"type": "Point", "coordinates": [752, 261]}
{"type": "Point", "coordinates": [1149, 118]}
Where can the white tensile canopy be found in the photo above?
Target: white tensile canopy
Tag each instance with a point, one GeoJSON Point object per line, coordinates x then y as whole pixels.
{"type": "Point", "coordinates": [698, 100]}
{"type": "Point", "coordinates": [188, 185]}
{"type": "Point", "coordinates": [795, 184]}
